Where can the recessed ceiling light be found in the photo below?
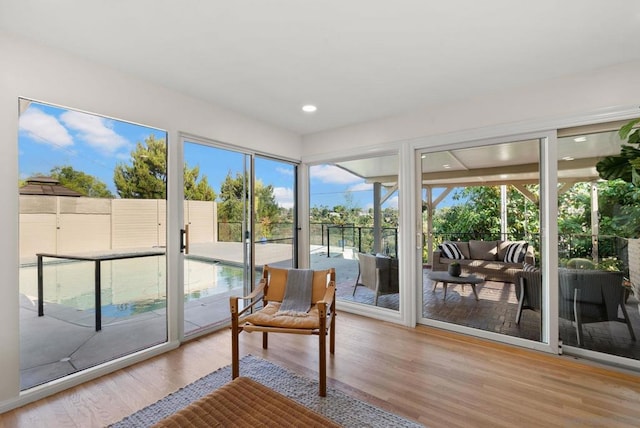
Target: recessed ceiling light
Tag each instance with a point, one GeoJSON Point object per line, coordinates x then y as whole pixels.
{"type": "Point", "coordinates": [580, 139]}
{"type": "Point", "coordinates": [446, 166]}
{"type": "Point", "coordinates": [309, 108]}
{"type": "Point", "coordinates": [567, 158]}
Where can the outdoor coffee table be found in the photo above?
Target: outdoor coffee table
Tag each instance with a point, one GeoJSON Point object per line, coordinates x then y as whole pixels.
{"type": "Point", "coordinates": [445, 279]}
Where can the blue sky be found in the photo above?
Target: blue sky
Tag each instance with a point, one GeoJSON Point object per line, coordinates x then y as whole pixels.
{"type": "Point", "coordinates": [50, 136]}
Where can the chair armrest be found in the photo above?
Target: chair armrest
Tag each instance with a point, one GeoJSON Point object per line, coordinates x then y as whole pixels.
{"type": "Point", "coordinates": [257, 290]}
{"type": "Point", "coordinates": [435, 261]}
{"type": "Point", "coordinates": [326, 303]}
{"type": "Point", "coordinates": [233, 300]}
{"type": "Point", "coordinates": [530, 257]}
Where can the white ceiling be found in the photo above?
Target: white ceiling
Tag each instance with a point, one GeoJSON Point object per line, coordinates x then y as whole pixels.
{"type": "Point", "coordinates": [357, 60]}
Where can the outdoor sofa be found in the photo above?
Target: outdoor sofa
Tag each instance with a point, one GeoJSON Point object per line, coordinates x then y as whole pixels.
{"type": "Point", "coordinates": [491, 260]}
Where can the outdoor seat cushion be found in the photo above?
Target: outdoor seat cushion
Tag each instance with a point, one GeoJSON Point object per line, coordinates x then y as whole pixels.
{"type": "Point", "coordinates": [483, 250]}
{"type": "Point", "coordinates": [266, 317]}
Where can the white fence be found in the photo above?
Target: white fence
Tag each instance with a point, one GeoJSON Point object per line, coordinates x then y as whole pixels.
{"type": "Point", "coordinates": [60, 224]}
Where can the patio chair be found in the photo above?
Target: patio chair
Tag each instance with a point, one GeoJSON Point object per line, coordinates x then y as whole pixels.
{"type": "Point", "coordinates": [377, 273]}
{"type": "Point", "coordinates": [591, 296]}
{"type": "Point", "coordinates": [528, 291]}
{"type": "Point", "coordinates": [318, 320]}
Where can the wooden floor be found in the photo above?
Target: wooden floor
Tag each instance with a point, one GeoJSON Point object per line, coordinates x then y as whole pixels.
{"type": "Point", "coordinates": [438, 378]}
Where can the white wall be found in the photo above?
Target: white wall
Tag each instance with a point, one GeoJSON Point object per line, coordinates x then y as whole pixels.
{"type": "Point", "coordinates": [608, 88]}
{"type": "Point", "coordinates": [40, 73]}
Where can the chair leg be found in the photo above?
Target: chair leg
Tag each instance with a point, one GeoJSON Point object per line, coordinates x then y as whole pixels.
{"type": "Point", "coordinates": [235, 349]}
{"type": "Point", "coordinates": [627, 320]}
{"type": "Point", "coordinates": [356, 284]}
{"type": "Point", "coordinates": [332, 334]}
{"type": "Point", "coordinates": [323, 364]}
{"type": "Point", "coordinates": [265, 340]}
{"type": "Point", "coordinates": [520, 303]}
{"type": "Point", "coordinates": [577, 316]}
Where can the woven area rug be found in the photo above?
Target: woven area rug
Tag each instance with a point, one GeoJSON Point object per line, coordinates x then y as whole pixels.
{"type": "Point", "coordinates": [338, 406]}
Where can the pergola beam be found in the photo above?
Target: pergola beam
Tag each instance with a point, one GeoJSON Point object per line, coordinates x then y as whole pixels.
{"type": "Point", "coordinates": [454, 175]}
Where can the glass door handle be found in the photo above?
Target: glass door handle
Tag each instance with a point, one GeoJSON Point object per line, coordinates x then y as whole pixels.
{"type": "Point", "coordinates": [184, 240]}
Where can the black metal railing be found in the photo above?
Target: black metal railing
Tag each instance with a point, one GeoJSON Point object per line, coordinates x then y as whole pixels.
{"type": "Point", "coordinates": [277, 232]}
{"type": "Point", "coordinates": [360, 238]}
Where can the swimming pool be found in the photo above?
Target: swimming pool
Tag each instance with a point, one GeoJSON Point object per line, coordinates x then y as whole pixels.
{"type": "Point", "coordinates": [129, 286]}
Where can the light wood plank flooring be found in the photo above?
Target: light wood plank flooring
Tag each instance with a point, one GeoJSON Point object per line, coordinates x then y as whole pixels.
{"type": "Point", "coordinates": [438, 378]}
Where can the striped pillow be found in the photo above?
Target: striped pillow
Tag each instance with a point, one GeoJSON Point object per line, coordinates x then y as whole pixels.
{"type": "Point", "coordinates": [516, 252]}
{"type": "Point", "coordinates": [451, 251]}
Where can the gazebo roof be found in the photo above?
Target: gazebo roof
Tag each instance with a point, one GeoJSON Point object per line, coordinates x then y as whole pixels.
{"type": "Point", "coordinates": [46, 186]}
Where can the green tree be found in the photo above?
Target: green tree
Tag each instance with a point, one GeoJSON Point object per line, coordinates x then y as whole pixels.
{"type": "Point", "coordinates": [477, 214]}
{"type": "Point", "coordinates": [81, 182]}
{"type": "Point", "coordinates": [195, 190]}
{"type": "Point", "coordinates": [233, 193]}
{"type": "Point", "coordinates": [267, 210]}
{"type": "Point", "coordinates": [146, 176]}
{"type": "Point", "coordinates": [619, 208]}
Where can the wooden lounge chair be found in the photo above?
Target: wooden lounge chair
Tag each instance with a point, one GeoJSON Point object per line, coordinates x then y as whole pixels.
{"type": "Point", "coordinates": [320, 320]}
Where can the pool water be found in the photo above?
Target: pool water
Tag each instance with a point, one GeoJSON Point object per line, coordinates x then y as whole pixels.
{"type": "Point", "coordinates": [129, 286]}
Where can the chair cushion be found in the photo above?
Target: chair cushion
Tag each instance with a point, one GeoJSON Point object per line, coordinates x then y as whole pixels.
{"type": "Point", "coordinates": [464, 249]}
{"type": "Point", "coordinates": [483, 250]}
{"type": "Point", "coordinates": [266, 317]}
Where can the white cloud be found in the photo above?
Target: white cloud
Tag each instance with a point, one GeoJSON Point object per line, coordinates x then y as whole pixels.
{"type": "Point", "coordinates": [391, 203]}
{"type": "Point", "coordinates": [361, 187]}
{"type": "Point", "coordinates": [44, 128]}
{"type": "Point", "coordinates": [285, 171]}
{"type": "Point", "coordinates": [332, 174]}
{"type": "Point", "coordinates": [284, 196]}
{"type": "Point", "coordinates": [95, 130]}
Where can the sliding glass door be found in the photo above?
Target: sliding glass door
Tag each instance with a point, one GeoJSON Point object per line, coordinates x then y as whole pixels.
{"type": "Point", "coordinates": [481, 260]}
{"type": "Point", "coordinates": [354, 224]}
{"type": "Point", "coordinates": [216, 186]}
{"type": "Point", "coordinates": [92, 240]}
{"type": "Point", "coordinates": [238, 215]}
{"type": "Point", "coordinates": [274, 220]}
{"type": "Point", "coordinates": [599, 251]}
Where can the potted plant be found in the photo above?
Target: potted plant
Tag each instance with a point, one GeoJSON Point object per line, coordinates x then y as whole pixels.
{"type": "Point", "coordinates": [626, 165]}
{"type": "Point", "coordinates": [454, 269]}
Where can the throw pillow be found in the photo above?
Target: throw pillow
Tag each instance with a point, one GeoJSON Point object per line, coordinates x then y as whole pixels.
{"type": "Point", "coordinates": [529, 268]}
{"type": "Point", "coordinates": [516, 252]}
{"type": "Point", "coordinates": [451, 251]}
